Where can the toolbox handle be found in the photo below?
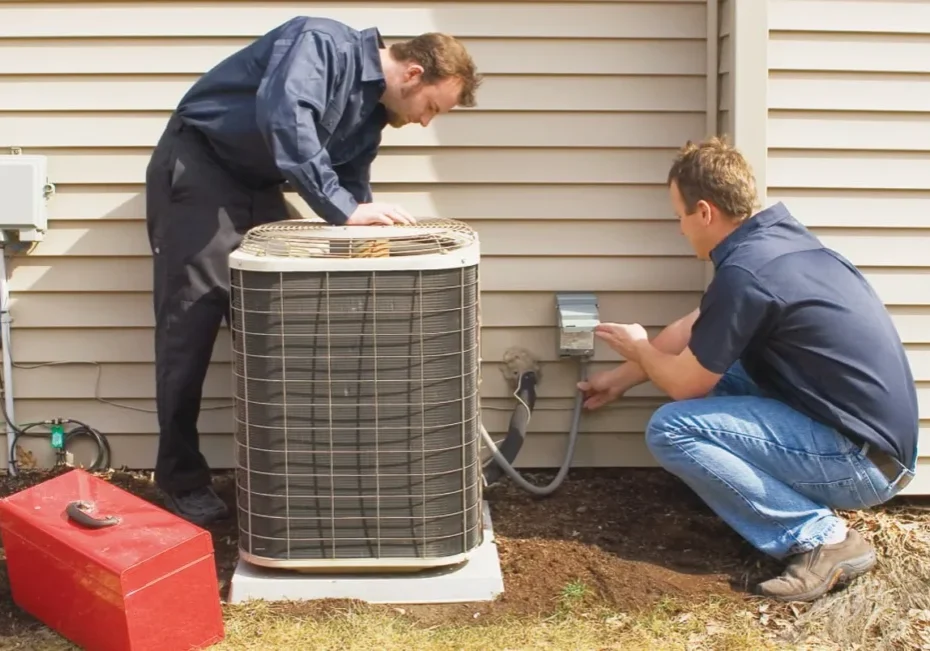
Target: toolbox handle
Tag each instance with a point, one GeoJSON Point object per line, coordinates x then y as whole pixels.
{"type": "Point", "coordinates": [76, 511]}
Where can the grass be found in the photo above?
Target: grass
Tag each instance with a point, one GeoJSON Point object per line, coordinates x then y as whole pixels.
{"type": "Point", "coordinates": [712, 625]}
{"type": "Point", "coordinates": [261, 627]}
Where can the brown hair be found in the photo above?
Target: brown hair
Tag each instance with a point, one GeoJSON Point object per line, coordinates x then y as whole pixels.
{"type": "Point", "coordinates": [442, 56]}
{"type": "Point", "coordinates": [715, 172]}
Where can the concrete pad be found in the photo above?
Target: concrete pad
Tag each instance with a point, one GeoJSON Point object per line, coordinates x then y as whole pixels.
{"type": "Point", "coordinates": [478, 579]}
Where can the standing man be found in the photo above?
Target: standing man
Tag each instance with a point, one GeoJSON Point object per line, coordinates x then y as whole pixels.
{"type": "Point", "coordinates": [306, 104]}
{"type": "Point", "coordinates": [793, 391]}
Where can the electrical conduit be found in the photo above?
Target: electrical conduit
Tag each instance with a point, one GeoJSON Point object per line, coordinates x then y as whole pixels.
{"type": "Point", "coordinates": [505, 464]}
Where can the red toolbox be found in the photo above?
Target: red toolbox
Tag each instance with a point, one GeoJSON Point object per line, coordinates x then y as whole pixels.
{"type": "Point", "coordinates": [108, 570]}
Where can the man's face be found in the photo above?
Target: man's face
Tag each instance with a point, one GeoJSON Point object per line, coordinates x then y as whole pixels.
{"type": "Point", "coordinates": [418, 103]}
{"type": "Point", "coordinates": [695, 225]}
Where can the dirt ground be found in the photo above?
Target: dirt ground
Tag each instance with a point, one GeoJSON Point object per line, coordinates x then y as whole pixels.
{"type": "Point", "coordinates": [624, 539]}
{"type": "Point", "coordinates": [629, 537]}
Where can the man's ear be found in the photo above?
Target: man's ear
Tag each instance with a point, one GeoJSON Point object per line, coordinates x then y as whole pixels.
{"type": "Point", "coordinates": [413, 72]}
{"type": "Point", "coordinates": [705, 212]}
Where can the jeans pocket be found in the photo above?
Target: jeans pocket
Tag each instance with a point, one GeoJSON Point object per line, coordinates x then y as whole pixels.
{"type": "Point", "coordinates": [838, 494]}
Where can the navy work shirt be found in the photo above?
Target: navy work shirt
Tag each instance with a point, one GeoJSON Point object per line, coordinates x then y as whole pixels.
{"type": "Point", "coordinates": [301, 104]}
{"type": "Point", "coordinates": [809, 330]}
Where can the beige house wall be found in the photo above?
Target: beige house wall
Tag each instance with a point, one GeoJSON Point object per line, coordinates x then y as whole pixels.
{"type": "Point", "coordinates": [848, 151]}
{"type": "Point", "coordinates": [561, 169]}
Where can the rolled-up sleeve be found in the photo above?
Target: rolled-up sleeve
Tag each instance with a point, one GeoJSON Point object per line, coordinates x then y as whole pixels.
{"type": "Point", "coordinates": [290, 102]}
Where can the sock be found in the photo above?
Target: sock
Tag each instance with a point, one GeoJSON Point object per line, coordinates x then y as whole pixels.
{"type": "Point", "coordinates": [836, 536]}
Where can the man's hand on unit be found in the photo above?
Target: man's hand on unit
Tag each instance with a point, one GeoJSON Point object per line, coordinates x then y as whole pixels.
{"type": "Point", "coordinates": [383, 214]}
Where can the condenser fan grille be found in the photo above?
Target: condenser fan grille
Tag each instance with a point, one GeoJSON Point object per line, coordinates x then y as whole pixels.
{"type": "Point", "coordinates": [356, 406]}
{"type": "Point", "coordinates": [307, 239]}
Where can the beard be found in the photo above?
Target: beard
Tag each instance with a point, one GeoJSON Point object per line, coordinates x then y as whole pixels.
{"type": "Point", "coordinates": [396, 120]}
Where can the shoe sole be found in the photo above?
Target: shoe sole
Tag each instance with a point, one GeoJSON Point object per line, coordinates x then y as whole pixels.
{"type": "Point", "coordinates": [845, 573]}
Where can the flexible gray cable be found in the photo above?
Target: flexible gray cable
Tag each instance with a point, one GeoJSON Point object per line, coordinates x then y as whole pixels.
{"type": "Point", "coordinates": [569, 452]}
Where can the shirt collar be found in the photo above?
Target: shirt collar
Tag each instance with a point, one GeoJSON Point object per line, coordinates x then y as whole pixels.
{"type": "Point", "coordinates": [371, 56]}
{"type": "Point", "coordinates": [761, 220]}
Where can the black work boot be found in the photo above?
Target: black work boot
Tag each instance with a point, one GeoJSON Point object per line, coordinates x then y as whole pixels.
{"type": "Point", "coordinates": [200, 506]}
{"type": "Point", "coordinates": [812, 574]}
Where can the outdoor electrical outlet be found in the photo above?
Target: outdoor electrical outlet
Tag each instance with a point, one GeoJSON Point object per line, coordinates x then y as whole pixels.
{"type": "Point", "coordinates": [517, 361]}
{"type": "Point", "coordinates": [578, 316]}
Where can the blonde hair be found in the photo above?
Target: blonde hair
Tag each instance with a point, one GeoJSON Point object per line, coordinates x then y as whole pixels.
{"type": "Point", "coordinates": [715, 172]}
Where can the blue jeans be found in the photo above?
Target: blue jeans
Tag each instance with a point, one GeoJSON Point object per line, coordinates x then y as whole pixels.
{"type": "Point", "coordinates": [768, 471]}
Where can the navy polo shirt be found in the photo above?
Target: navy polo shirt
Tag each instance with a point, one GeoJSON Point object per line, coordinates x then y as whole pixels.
{"type": "Point", "coordinates": [810, 331]}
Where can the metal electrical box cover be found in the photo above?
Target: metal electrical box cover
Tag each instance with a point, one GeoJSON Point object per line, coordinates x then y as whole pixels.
{"type": "Point", "coordinates": [23, 204]}
{"type": "Point", "coordinates": [578, 316]}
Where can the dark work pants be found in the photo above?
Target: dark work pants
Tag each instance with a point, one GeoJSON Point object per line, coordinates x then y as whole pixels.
{"type": "Point", "coordinates": [196, 214]}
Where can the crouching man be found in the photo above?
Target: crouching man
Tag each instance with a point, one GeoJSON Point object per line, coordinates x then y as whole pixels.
{"type": "Point", "coordinates": [792, 392]}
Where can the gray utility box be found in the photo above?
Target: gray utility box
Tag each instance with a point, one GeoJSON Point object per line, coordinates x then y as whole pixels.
{"type": "Point", "coordinates": [24, 190]}
{"type": "Point", "coordinates": [578, 315]}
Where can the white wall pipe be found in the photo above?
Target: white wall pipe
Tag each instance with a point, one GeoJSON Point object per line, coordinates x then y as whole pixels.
{"type": "Point", "coordinates": [712, 106]}
{"type": "Point", "coordinates": [7, 361]}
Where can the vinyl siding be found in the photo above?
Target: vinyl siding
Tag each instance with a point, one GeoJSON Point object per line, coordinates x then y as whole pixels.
{"type": "Point", "coordinates": [561, 169]}
{"type": "Point", "coordinates": [849, 151]}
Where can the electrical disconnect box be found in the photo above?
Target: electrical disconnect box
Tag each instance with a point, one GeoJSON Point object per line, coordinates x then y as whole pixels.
{"type": "Point", "coordinates": [24, 192]}
{"type": "Point", "coordinates": [578, 316]}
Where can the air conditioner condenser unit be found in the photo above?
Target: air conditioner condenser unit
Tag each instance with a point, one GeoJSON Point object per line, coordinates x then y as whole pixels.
{"type": "Point", "coordinates": [356, 369]}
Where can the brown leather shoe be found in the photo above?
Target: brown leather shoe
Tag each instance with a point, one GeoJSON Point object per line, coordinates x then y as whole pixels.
{"type": "Point", "coordinates": [812, 574]}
